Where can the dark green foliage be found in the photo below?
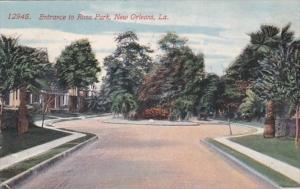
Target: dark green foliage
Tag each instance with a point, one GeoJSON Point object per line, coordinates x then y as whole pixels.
{"type": "Point", "coordinates": [280, 78]}
{"type": "Point", "coordinates": [246, 65]}
{"type": "Point", "coordinates": [8, 48]}
{"type": "Point", "coordinates": [77, 65]}
{"type": "Point", "coordinates": [183, 107]}
{"type": "Point", "coordinates": [29, 68]}
{"type": "Point", "coordinates": [270, 83]}
{"type": "Point", "coordinates": [252, 106]}
{"type": "Point", "coordinates": [126, 67]}
{"type": "Point", "coordinates": [293, 76]}
{"type": "Point", "coordinates": [95, 103]}
{"type": "Point", "coordinates": [222, 94]}
{"type": "Point", "coordinates": [262, 42]}
{"type": "Point", "coordinates": [21, 66]}
{"type": "Point", "coordinates": [212, 100]}
{"type": "Point", "coordinates": [171, 41]}
{"type": "Point", "coordinates": [123, 103]}
{"type": "Point", "coordinates": [259, 63]}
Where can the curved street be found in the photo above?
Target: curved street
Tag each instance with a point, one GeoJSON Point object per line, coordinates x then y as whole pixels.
{"type": "Point", "coordinates": [145, 157]}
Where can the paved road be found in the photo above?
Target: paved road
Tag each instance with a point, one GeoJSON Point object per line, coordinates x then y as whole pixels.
{"type": "Point", "coordinates": [145, 157]}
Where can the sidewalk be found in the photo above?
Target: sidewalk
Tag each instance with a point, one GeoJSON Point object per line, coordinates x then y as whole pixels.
{"type": "Point", "coordinates": [277, 165]}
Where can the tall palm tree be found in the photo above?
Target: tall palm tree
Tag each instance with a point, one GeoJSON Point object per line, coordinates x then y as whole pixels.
{"type": "Point", "coordinates": [27, 74]}
{"type": "Point", "coordinates": [8, 46]}
{"type": "Point", "coordinates": [265, 41]}
{"type": "Point", "coordinates": [25, 69]}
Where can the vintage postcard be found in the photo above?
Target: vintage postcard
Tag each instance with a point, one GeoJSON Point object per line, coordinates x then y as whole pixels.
{"type": "Point", "coordinates": [160, 94]}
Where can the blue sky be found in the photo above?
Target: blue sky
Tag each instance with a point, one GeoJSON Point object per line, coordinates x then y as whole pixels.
{"type": "Point", "coordinates": [217, 28]}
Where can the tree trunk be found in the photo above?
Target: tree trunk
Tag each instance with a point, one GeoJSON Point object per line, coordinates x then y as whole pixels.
{"type": "Point", "coordinates": [297, 140]}
{"type": "Point", "coordinates": [1, 112]}
{"type": "Point", "coordinates": [78, 100]}
{"type": "Point", "coordinates": [83, 103]}
{"type": "Point", "coordinates": [269, 128]}
{"type": "Point", "coordinates": [73, 102]}
{"type": "Point", "coordinates": [23, 122]}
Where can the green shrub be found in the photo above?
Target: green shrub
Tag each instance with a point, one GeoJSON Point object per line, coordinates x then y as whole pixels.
{"type": "Point", "coordinates": [123, 104]}
{"type": "Point", "coordinates": [183, 108]}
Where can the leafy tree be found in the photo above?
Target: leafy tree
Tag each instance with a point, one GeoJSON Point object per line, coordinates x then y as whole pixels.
{"type": "Point", "coordinates": [217, 92]}
{"type": "Point", "coordinates": [179, 73]}
{"type": "Point", "coordinates": [171, 41]}
{"type": "Point", "coordinates": [247, 66]}
{"type": "Point", "coordinates": [183, 107]}
{"type": "Point", "coordinates": [268, 40]}
{"type": "Point", "coordinates": [95, 103]}
{"type": "Point", "coordinates": [8, 46]}
{"type": "Point", "coordinates": [280, 77]}
{"type": "Point", "coordinates": [271, 89]}
{"type": "Point", "coordinates": [230, 95]}
{"type": "Point", "coordinates": [77, 68]}
{"type": "Point", "coordinates": [211, 86]}
{"type": "Point", "coordinates": [126, 67]}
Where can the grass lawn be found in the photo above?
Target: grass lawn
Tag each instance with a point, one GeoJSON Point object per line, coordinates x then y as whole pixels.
{"type": "Point", "coordinates": [276, 177]}
{"type": "Point", "coordinates": [10, 142]}
{"type": "Point", "coordinates": [283, 149]}
{"type": "Point", "coordinates": [20, 167]}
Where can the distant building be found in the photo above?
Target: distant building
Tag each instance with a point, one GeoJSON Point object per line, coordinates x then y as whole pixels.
{"type": "Point", "coordinates": [56, 99]}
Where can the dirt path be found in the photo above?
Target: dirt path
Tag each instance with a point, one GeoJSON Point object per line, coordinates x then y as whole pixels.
{"type": "Point", "coordinates": [145, 157]}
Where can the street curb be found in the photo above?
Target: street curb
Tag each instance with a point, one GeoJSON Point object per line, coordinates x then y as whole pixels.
{"type": "Point", "coordinates": [35, 170]}
{"type": "Point", "coordinates": [242, 165]}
